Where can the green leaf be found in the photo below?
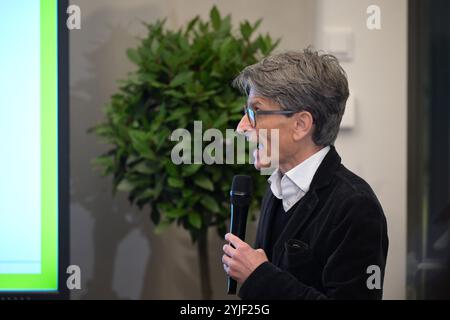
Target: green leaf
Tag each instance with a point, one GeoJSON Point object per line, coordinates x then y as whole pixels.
{"type": "Point", "coordinates": [104, 161]}
{"type": "Point", "coordinates": [173, 93]}
{"type": "Point", "coordinates": [225, 25]}
{"type": "Point", "coordinates": [190, 169]}
{"type": "Point", "coordinates": [205, 118]}
{"type": "Point", "coordinates": [220, 121]}
{"type": "Point", "coordinates": [133, 55]}
{"type": "Point", "coordinates": [215, 18]}
{"type": "Point", "coordinates": [275, 45]}
{"type": "Point", "coordinates": [141, 143]}
{"type": "Point", "coordinates": [145, 195]}
{"type": "Point", "coordinates": [175, 182]}
{"type": "Point", "coordinates": [171, 59]}
{"type": "Point", "coordinates": [152, 82]}
{"type": "Point", "coordinates": [246, 30]}
{"type": "Point", "coordinates": [102, 130]}
{"type": "Point", "coordinates": [191, 24]}
{"type": "Point", "coordinates": [171, 169]}
{"type": "Point", "coordinates": [187, 193]}
{"type": "Point", "coordinates": [125, 186]}
{"type": "Point", "coordinates": [204, 182]}
{"type": "Point", "coordinates": [175, 213]}
{"type": "Point", "coordinates": [209, 203]}
{"type": "Point", "coordinates": [225, 49]}
{"type": "Point", "coordinates": [181, 78]}
{"type": "Point", "coordinates": [257, 24]}
{"type": "Point", "coordinates": [195, 220]}
{"type": "Point", "coordinates": [154, 46]}
{"type": "Point", "coordinates": [178, 113]}
{"type": "Point", "coordinates": [144, 168]}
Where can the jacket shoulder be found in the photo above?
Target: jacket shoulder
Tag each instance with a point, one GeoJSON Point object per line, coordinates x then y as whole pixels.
{"type": "Point", "coordinates": [354, 195]}
{"type": "Point", "coordinates": [351, 185]}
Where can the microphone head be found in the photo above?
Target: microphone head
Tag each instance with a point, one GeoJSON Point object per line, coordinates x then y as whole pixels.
{"type": "Point", "coordinates": [241, 186]}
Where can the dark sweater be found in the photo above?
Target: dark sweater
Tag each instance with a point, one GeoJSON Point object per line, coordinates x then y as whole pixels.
{"type": "Point", "coordinates": [279, 221]}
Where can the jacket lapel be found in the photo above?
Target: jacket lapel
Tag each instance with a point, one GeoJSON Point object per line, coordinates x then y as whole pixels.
{"type": "Point", "coordinates": [267, 210]}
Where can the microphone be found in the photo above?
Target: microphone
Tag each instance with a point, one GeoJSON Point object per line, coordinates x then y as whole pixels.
{"type": "Point", "coordinates": [240, 196]}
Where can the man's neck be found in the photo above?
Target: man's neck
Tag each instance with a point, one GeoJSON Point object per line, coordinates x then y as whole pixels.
{"type": "Point", "coordinates": [299, 157]}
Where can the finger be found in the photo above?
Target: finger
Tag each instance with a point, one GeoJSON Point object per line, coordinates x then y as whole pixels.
{"type": "Point", "coordinates": [229, 250]}
{"type": "Point", "coordinates": [226, 268]}
{"type": "Point", "coordinates": [235, 241]}
{"type": "Point", "coordinates": [226, 260]}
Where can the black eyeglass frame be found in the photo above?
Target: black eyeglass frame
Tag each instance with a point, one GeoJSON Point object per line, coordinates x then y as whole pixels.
{"type": "Point", "coordinates": [264, 112]}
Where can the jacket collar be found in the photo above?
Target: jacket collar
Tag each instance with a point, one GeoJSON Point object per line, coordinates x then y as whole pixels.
{"type": "Point", "coordinates": [326, 169]}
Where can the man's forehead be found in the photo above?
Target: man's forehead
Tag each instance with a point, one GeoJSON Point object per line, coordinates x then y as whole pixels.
{"type": "Point", "coordinates": [258, 100]}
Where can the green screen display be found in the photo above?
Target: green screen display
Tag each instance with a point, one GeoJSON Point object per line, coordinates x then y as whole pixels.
{"type": "Point", "coordinates": [29, 146]}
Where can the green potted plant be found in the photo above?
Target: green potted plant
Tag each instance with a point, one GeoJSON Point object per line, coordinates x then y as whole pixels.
{"type": "Point", "coordinates": [182, 76]}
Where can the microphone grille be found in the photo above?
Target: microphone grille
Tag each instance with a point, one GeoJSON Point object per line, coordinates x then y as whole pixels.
{"type": "Point", "coordinates": [242, 184]}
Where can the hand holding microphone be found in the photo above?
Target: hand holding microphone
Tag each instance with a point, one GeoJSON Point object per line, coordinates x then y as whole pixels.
{"type": "Point", "coordinates": [240, 259]}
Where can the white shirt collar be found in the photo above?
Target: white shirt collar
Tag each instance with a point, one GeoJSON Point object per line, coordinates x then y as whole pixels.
{"type": "Point", "coordinates": [292, 186]}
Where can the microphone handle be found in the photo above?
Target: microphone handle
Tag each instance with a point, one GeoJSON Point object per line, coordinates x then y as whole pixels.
{"type": "Point", "coordinates": [238, 225]}
{"type": "Point", "coordinates": [232, 285]}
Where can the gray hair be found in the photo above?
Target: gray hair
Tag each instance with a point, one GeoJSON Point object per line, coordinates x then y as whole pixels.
{"type": "Point", "coordinates": [302, 81]}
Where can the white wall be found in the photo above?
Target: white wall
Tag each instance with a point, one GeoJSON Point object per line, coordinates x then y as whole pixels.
{"type": "Point", "coordinates": [114, 244]}
{"type": "Point", "coordinates": [376, 148]}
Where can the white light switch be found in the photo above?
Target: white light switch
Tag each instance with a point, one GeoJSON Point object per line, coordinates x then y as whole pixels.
{"type": "Point", "coordinates": [339, 42]}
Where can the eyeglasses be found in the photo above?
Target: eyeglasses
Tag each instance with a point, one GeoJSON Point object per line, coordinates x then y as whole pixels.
{"type": "Point", "coordinates": [251, 113]}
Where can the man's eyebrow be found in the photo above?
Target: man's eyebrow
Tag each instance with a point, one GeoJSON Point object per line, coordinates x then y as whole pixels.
{"type": "Point", "coordinates": [255, 103]}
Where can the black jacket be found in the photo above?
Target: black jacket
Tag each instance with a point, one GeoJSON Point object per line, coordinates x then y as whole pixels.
{"type": "Point", "coordinates": [336, 233]}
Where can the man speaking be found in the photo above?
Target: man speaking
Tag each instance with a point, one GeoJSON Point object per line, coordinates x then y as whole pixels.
{"type": "Point", "coordinates": [322, 233]}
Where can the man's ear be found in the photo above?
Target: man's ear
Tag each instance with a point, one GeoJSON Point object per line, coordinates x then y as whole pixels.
{"type": "Point", "coordinates": [303, 124]}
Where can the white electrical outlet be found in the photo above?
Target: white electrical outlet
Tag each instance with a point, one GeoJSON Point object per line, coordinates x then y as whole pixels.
{"type": "Point", "coordinates": [339, 42]}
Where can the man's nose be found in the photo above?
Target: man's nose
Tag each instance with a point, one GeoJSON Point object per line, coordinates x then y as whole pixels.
{"type": "Point", "coordinates": [244, 125]}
